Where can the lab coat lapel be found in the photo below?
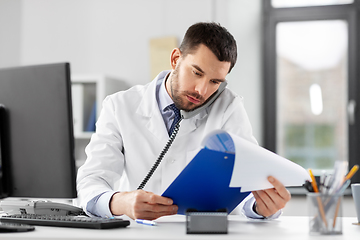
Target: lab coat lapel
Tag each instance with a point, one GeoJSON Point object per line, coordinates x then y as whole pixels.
{"type": "Point", "coordinates": [189, 125]}
{"type": "Point", "coordinates": [149, 109]}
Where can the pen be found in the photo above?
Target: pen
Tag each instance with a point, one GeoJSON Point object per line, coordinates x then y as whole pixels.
{"type": "Point", "coordinates": [322, 181]}
{"type": "Point", "coordinates": [346, 181]}
{"type": "Point", "coordinates": [145, 222]}
{"type": "Point", "coordinates": [343, 187]}
{"type": "Point", "coordinates": [338, 176]}
{"type": "Point", "coordinates": [308, 186]}
{"type": "Point", "coordinates": [334, 197]}
{"type": "Point", "coordinates": [327, 184]}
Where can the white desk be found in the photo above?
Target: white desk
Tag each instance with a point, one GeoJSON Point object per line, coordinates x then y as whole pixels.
{"type": "Point", "coordinates": [174, 228]}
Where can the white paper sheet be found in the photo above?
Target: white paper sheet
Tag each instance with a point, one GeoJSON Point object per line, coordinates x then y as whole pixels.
{"type": "Point", "coordinates": [253, 164]}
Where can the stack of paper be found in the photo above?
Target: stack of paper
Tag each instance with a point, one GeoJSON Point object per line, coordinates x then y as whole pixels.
{"type": "Point", "coordinates": [253, 164]}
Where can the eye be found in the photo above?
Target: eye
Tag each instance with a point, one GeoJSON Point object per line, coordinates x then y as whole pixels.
{"type": "Point", "coordinates": [215, 82]}
{"type": "Point", "coordinates": [196, 73]}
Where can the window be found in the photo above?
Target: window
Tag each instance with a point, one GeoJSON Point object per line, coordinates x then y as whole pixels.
{"type": "Point", "coordinates": [311, 82]}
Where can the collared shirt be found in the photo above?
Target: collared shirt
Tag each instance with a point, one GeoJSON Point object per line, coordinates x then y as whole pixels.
{"type": "Point", "coordinates": [164, 100]}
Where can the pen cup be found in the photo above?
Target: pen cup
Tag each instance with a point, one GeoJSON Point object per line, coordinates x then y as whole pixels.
{"type": "Point", "coordinates": [325, 213]}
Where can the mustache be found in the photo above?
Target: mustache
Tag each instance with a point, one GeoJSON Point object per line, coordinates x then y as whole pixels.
{"type": "Point", "coordinates": [195, 95]}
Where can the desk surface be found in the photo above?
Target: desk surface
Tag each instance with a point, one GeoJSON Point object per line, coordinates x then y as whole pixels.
{"type": "Point", "coordinates": [173, 227]}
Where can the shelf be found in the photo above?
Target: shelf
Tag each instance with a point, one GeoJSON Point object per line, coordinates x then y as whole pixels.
{"type": "Point", "coordinates": [88, 93]}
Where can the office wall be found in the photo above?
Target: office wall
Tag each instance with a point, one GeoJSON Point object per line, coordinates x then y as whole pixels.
{"type": "Point", "coordinates": [10, 32]}
{"type": "Point", "coordinates": [112, 37]}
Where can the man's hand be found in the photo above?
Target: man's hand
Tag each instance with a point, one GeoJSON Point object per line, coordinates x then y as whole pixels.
{"type": "Point", "coordinates": [269, 201]}
{"type": "Point", "coordinates": [141, 204]}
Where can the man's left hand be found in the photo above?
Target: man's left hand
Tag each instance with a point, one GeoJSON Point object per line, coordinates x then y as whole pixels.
{"type": "Point", "coordinates": [269, 201]}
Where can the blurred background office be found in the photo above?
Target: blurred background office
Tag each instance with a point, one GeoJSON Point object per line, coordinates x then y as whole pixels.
{"type": "Point", "coordinates": [296, 69]}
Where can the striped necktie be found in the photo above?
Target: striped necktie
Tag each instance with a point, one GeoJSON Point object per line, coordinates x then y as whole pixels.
{"type": "Point", "coordinates": [176, 119]}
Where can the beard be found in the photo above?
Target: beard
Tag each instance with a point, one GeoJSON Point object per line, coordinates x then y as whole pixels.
{"type": "Point", "coordinates": [179, 97]}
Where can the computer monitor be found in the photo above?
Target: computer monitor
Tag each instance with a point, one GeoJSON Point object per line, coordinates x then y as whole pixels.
{"type": "Point", "coordinates": [37, 142]}
{"type": "Point", "coordinates": [4, 165]}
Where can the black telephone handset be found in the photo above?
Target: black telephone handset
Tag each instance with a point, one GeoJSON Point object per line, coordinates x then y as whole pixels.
{"type": "Point", "coordinates": [184, 115]}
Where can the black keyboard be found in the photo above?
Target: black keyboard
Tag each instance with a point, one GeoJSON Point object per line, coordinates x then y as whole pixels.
{"type": "Point", "coordinates": [65, 221]}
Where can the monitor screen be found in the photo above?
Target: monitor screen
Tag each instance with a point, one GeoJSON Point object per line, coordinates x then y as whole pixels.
{"type": "Point", "coordinates": [40, 141]}
{"type": "Point", "coordinates": [4, 170]}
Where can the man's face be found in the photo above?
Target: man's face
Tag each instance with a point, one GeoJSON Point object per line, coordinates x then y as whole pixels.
{"type": "Point", "coordinates": [195, 77]}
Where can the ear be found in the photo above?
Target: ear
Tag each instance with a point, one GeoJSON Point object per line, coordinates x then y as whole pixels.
{"type": "Point", "coordinates": [174, 57]}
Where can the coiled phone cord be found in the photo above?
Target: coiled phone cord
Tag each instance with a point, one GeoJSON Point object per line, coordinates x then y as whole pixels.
{"type": "Point", "coordinates": [162, 154]}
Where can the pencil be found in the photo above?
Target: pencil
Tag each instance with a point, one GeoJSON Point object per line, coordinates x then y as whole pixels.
{"type": "Point", "coordinates": [336, 211]}
{"type": "Point", "coordinates": [313, 181]}
{"type": "Point", "coordinates": [316, 190]}
{"type": "Point", "coordinates": [347, 177]}
{"type": "Point", "coordinates": [351, 172]}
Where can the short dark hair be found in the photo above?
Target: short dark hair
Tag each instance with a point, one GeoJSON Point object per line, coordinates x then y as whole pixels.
{"type": "Point", "coordinates": [213, 36]}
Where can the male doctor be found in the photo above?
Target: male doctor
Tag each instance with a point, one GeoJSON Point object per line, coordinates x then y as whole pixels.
{"type": "Point", "coordinates": [133, 128]}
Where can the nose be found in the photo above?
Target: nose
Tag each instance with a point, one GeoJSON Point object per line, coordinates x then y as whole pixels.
{"type": "Point", "coordinates": [201, 87]}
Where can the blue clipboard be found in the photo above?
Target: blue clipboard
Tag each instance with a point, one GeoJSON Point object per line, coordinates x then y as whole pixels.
{"type": "Point", "coordinates": [204, 184]}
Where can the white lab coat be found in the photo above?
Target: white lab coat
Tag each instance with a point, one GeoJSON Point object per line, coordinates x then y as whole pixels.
{"type": "Point", "coordinates": [131, 133]}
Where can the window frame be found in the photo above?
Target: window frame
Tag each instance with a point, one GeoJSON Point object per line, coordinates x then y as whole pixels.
{"type": "Point", "coordinates": [272, 16]}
